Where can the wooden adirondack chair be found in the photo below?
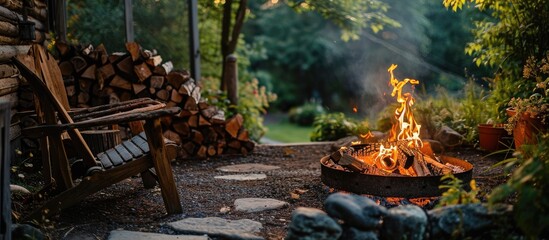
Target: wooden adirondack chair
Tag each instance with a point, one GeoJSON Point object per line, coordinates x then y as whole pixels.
{"type": "Point", "coordinates": [132, 157]}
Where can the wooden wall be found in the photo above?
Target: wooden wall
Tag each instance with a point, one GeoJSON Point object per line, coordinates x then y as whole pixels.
{"type": "Point", "coordinates": [12, 88]}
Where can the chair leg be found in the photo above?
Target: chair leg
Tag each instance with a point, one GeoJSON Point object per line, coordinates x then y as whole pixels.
{"type": "Point", "coordinates": [148, 178]}
{"type": "Point", "coordinates": [162, 165]}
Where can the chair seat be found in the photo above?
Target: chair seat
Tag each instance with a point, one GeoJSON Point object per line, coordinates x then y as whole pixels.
{"type": "Point", "coordinates": [127, 151]}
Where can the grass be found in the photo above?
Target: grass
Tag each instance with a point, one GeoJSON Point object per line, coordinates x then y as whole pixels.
{"type": "Point", "coordinates": [286, 132]}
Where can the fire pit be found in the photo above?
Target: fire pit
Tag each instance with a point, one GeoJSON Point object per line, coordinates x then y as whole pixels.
{"type": "Point", "coordinates": [403, 166]}
{"type": "Point", "coordinates": [386, 185]}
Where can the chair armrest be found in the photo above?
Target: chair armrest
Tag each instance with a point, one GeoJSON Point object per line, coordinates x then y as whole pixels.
{"type": "Point", "coordinates": [108, 109]}
{"type": "Point", "coordinates": [134, 115]}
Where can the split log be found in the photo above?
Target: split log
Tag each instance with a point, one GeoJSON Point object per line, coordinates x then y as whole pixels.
{"type": "Point", "coordinates": [234, 124]}
{"type": "Point", "coordinates": [177, 78]}
{"type": "Point", "coordinates": [181, 127]}
{"type": "Point", "coordinates": [142, 71]}
{"type": "Point", "coordinates": [89, 73]}
{"type": "Point", "coordinates": [163, 95]}
{"type": "Point", "coordinates": [67, 68]}
{"type": "Point", "coordinates": [357, 165]}
{"type": "Point", "coordinates": [441, 169]}
{"type": "Point", "coordinates": [173, 136]}
{"type": "Point", "coordinates": [126, 66]}
{"type": "Point", "coordinates": [157, 82]}
{"type": "Point", "coordinates": [175, 96]}
{"type": "Point", "coordinates": [197, 138]}
{"type": "Point", "coordinates": [163, 69]}
{"type": "Point", "coordinates": [134, 49]}
{"type": "Point", "coordinates": [105, 72]}
{"type": "Point", "coordinates": [79, 63]}
{"type": "Point", "coordinates": [121, 83]}
{"type": "Point", "coordinates": [138, 88]}
{"type": "Point", "coordinates": [154, 61]}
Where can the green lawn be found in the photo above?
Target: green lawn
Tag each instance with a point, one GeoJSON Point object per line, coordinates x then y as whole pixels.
{"type": "Point", "coordinates": [288, 133]}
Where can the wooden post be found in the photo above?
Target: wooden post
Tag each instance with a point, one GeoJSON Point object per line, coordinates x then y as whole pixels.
{"type": "Point", "coordinates": [128, 16]}
{"type": "Point", "coordinates": [231, 72]}
{"type": "Point", "coordinates": [5, 198]}
{"type": "Point", "coordinates": [193, 40]}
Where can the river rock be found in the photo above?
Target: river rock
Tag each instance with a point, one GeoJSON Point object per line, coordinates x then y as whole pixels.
{"type": "Point", "coordinates": [467, 220]}
{"type": "Point", "coordinates": [448, 137]}
{"type": "Point", "coordinates": [354, 210]}
{"type": "Point", "coordinates": [404, 222]}
{"type": "Point", "coordinates": [312, 224]}
{"type": "Point", "coordinates": [351, 233]}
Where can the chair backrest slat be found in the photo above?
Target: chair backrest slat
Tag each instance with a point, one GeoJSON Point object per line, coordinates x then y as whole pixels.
{"type": "Point", "coordinates": [45, 94]}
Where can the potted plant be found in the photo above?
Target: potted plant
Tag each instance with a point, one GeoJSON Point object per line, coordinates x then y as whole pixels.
{"type": "Point", "coordinates": [530, 116]}
{"type": "Point", "coordinates": [493, 137]}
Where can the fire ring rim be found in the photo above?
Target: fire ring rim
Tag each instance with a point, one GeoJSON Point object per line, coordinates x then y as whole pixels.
{"type": "Point", "coordinates": [391, 186]}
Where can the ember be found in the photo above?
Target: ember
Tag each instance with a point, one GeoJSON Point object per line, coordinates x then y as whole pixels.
{"type": "Point", "coordinates": [404, 157]}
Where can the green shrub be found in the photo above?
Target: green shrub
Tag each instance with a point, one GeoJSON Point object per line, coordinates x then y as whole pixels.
{"type": "Point", "coordinates": [305, 115]}
{"type": "Point", "coordinates": [253, 101]}
{"type": "Point", "coordinates": [455, 192]}
{"type": "Point", "coordinates": [333, 126]}
{"type": "Point", "coordinates": [530, 182]}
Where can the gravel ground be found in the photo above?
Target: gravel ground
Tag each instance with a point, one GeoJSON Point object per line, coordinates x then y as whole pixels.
{"type": "Point", "coordinates": [127, 205]}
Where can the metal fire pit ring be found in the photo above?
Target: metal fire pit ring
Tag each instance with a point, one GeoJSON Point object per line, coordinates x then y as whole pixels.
{"type": "Point", "coordinates": [391, 186]}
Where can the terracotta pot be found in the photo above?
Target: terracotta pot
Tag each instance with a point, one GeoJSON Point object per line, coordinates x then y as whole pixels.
{"type": "Point", "coordinates": [493, 137]}
{"type": "Point", "coordinates": [526, 128]}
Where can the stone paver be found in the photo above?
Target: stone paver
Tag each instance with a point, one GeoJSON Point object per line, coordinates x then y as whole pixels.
{"type": "Point", "coordinates": [219, 227]}
{"type": "Point", "coordinates": [243, 177]}
{"type": "Point", "coordinates": [130, 235]}
{"type": "Point", "coordinates": [248, 167]}
{"type": "Point", "coordinates": [258, 204]}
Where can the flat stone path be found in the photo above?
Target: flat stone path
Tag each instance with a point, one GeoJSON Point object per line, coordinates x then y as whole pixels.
{"type": "Point", "coordinates": [218, 227]}
{"type": "Point", "coordinates": [249, 167]}
{"type": "Point", "coordinates": [130, 235]}
{"type": "Point", "coordinates": [258, 204]}
{"type": "Point", "coordinates": [203, 228]}
{"type": "Point", "coordinates": [243, 177]}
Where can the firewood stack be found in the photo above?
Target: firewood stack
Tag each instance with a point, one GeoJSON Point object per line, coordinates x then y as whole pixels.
{"type": "Point", "coordinates": [93, 77]}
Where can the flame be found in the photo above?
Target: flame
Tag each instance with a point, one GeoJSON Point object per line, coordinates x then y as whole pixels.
{"type": "Point", "coordinates": [406, 127]}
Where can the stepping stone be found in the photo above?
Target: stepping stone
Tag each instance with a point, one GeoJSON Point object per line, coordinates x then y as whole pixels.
{"type": "Point", "coordinates": [243, 177]}
{"type": "Point", "coordinates": [250, 205]}
{"type": "Point", "coordinates": [130, 235]}
{"type": "Point", "coordinates": [248, 167]}
{"type": "Point", "coordinates": [219, 227]}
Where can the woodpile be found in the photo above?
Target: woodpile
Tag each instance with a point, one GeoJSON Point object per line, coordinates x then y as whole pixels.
{"type": "Point", "coordinates": [94, 77]}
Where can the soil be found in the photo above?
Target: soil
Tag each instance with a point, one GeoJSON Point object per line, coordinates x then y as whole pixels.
{"type": "Point", "coordinates": [127, 205]}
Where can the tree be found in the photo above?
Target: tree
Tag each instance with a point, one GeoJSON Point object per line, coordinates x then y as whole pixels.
{"type": "Point", "coordinates": [510, 33]}
{"type": "Point", "coordinates": [351, 16]}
